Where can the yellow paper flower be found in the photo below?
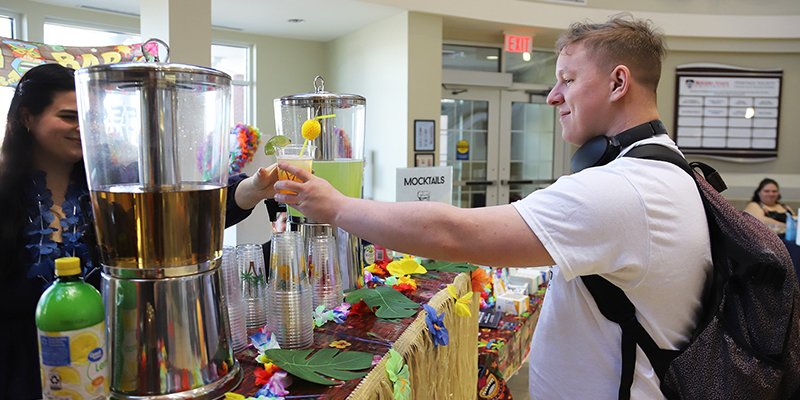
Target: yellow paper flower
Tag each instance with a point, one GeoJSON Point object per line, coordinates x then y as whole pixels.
{"type": "Point", "coordinates": [405, 266]}
{"type": "Point", "coordinates": [408, 280]}
{"type": "Point", "coordinates": [462, 304]}
{"type": "Point", "coordinates": [340, 344]}
{"type": "Point", "coordinates": [375, 269]}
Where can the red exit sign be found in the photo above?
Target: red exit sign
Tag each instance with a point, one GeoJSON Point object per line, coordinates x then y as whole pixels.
{"type": "Point", "coordinates": [518, 44]}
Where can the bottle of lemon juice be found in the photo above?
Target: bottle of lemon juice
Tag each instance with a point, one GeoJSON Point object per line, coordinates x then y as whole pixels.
{"type": "Point", "coordinates": [70, 318]}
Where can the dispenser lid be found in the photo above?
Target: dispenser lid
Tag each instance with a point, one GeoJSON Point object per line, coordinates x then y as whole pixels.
{"type": "Point", "coordinates": [319, 95]}
{"type": "Point", "coordinates": [144, 71]}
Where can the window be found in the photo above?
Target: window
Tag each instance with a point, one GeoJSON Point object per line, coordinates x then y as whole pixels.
{"type": "Point", "coordinates": [71, 35]}
{"type": "Point", "coordinates": [535, 67]}
{"type": "Point", "coordinates": [6, 26]}
{"type": "Point", "coordinates": [471, 58]}
{"type": "Point", "coordinates": [234, 60]}
{"type": "Point", "coordinates": [6, 93]}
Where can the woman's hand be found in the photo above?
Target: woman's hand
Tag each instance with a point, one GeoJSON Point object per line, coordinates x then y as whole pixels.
{"type": "Point", "coordinates": [257, 187]}
{"type": "Point", "coordinates": [314, 197]}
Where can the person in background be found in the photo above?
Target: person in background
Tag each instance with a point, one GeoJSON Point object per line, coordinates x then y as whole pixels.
{"type": "Point", "coordinates": [41, 179]}
{"type": "Point", "coordinates": [277, 218]}
{"type": "Point", "coordinates": [638, 223]}
{"type": "Point", "coordinates": [765, 206]}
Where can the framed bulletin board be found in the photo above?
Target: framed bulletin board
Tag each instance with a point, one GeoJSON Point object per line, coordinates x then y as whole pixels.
{"type": "Point", "coordinates": [423, 159]}
{"type": "Point", "coordinates": [424, 135]}
{"type": "Point", "coordinates": [728, 112]}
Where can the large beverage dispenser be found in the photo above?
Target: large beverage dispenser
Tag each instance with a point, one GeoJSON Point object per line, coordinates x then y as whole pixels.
{"type": "Point", "coordinates": [155, 147]}
{"type": "Point", "coordinates": [339, 158]}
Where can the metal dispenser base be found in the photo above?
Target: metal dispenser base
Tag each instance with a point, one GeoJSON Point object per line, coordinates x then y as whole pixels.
{"type": "Point", "coordinates": [168, 338]}
{"type": "Point", "coordinates": [351, 253]}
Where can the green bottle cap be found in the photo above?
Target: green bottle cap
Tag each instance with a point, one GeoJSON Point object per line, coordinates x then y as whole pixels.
{"type": "Point", "coordinates": [68, 266]}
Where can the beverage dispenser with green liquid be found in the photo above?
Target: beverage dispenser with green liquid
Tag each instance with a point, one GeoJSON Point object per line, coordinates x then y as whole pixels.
{"type": "Point", "coordinates": [339, 158]}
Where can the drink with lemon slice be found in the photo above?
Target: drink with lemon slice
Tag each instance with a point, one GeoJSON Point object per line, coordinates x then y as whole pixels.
{"type": "Point", "coordinates": [70, 318]}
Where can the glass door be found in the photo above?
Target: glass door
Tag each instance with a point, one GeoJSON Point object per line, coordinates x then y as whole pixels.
{"type": "Point", "coordinates": [501, 144]}
{"type": "Point", "coordinates": [469, 142]}
{"type": "Point", "coordinates": [527, 145]}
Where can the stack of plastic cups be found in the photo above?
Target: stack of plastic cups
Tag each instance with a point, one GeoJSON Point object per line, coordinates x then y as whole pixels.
{"type": "Point", "coordinates": [289, 292]}
{"type": "Point", "coordinates": [234, 300]}
{"type": "Point", "coordinates": [253, 276]}
{"type": "Point", "coordinates": [323, 266]}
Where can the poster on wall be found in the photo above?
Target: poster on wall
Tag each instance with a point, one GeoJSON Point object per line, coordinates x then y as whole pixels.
{"type": "Point", "coordinates": [728, 112]}
{"type": "Point", "coordinates": [18, 56]}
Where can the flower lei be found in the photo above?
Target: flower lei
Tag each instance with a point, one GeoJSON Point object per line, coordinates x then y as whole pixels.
{"type": "Point", "coordinates": [248, 138]}
{"type": "Point", "coordinates": [44, 250]}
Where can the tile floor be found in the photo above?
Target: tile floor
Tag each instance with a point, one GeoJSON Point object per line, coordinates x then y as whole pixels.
{"type": "Point", "coordinates": [518, 384]}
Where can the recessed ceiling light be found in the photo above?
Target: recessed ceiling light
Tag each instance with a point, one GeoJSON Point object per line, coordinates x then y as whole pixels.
{"type": "Point", "coordinates": [492, 57]}
{"type": "Point", "coordinates": [296, 21]}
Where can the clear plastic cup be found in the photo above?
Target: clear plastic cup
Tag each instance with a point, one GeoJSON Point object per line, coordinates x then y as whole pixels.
{"type": "Point", "coordinates": [323, 267]}
{"type": "Point", "coordinates": [295, 154]}
{"type": "Point", "coordinates": [289, 292]}
{"type": "Point", "coordinates": [233, 299]}
{"type": "Point", "coordinates": [253, 276]}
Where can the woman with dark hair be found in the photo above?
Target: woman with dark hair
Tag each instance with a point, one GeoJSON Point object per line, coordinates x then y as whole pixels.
{"type": "Point", "coordinates": [41, 179]}
{"type": "Point", "coordinates": [765, 206]}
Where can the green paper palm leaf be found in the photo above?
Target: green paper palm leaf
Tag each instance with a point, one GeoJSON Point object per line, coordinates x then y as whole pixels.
{"type": "Point", "coordinates": [325, 362]}
{"type": "Point", "coordinates": [389, 302]}
{"type": "Point", "coordinates": [445, 266]}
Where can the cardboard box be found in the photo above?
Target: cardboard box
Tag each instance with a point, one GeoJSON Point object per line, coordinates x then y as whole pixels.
{"type": "Point", "coordinates": [512, 303]}
{"type": "Point", "coordinates": [521, 288]}
{"type": "Point", "coordinates": [522, 284]}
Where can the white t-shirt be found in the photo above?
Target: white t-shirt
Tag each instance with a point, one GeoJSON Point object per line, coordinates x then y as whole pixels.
{"type": "Point", "coordinates": [641, 225]}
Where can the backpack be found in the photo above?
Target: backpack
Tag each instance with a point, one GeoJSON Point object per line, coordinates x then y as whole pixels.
{"type": "Point", "coordinates": [747, 343]}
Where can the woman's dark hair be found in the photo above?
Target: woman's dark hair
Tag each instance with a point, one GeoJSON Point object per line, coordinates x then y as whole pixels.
{"type": "Point", "coordinates": [35, 92]}
{"type": "Point", "coordinates": [756, 198]}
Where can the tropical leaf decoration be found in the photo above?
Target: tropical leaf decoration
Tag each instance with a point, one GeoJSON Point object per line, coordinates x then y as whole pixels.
{"type": "Point", "coordinates": [397, 370]}
{"type": "Point", "coordinates": [324, 363]}
{"type": "Point", "coordinates": [444, 266]}
{"type": "Point", "coordinates": [386, 301]}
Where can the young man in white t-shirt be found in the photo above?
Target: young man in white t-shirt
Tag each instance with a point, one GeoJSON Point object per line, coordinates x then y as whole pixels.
{"type": "Point", "coordinates": [638, 223]}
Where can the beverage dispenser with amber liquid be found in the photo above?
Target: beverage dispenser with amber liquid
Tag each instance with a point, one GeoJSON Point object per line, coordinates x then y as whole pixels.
{"type": "Point", "coordinates": [339, 158]}
{"type": "Point", "coordinates": [155, 149]}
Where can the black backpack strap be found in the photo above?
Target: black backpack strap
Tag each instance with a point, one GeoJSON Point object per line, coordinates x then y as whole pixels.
{"type": "Point", "coordinates": [616, 307]}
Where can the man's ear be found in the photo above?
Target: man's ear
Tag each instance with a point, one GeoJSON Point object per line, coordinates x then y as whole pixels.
{"type": "Point", "coordinates": [620, 82]}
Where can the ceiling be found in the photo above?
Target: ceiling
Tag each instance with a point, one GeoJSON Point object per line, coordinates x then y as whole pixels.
{"type": "Point", "coordinates": [323, 20]}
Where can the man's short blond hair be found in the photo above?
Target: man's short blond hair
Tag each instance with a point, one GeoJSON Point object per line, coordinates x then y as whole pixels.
{"type": "Point", "coordinates": [622, 40]}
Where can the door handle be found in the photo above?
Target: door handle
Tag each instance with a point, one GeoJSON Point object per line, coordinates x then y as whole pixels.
{"type": "Point", "coordinates": [474, 183]}
{"type": "Point", "coordinates": [526, 181]}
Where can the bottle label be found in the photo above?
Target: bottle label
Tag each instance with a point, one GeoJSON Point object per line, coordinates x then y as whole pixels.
{"type": "Point", "coordinates": [74, 364]}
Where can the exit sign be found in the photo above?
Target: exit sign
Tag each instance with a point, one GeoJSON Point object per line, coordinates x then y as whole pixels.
{"type": "Point", "coordinates": [518, 44]}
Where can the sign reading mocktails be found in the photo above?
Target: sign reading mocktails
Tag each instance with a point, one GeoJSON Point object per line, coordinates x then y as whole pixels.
{"type": "Point", "coordinates": [425, 184]}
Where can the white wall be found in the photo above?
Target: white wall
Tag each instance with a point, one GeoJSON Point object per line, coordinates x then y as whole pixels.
{"type": "Point", "coordinates": [373, 62]}
{"type": "Point", "coordinates": [424, 75]}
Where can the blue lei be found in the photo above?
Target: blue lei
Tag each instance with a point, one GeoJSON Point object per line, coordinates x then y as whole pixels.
{"type": "Point", "coordinates": [44, 250]}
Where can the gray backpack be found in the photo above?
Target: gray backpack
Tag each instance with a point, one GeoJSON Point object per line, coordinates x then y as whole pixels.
{"type": "Point", "coordinates": [747, 344]}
